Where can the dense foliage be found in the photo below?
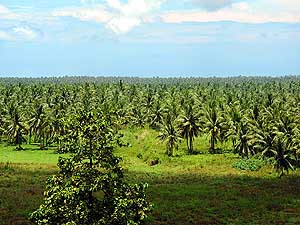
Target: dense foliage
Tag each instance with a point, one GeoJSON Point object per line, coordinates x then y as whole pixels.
{"type": "Point", "coordinates": [249, 164]}
{"type": "Point", "coordinates": [259, 116]}
{"type": "Point", "coordinates": [89, 187]}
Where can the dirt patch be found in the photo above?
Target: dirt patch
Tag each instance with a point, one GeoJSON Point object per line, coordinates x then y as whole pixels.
{"type": "Point", "coordinates": [142, 136]}
{"type": "Point", "coordinates": [292, 211]}
{"type": "Point", "coordinates": [19, 221]}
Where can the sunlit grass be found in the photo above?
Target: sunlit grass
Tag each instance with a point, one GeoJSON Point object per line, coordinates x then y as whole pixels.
{"type": "Point", "coordinates": [30, 154]}
{"type": "Point", "coordinates": [184, 189]}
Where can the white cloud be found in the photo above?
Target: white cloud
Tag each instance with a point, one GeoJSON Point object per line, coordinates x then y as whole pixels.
{"type": "Point", "coordinates": [238, 12]}
{"type": "Point", "coordinates": [5, 36]}
{"type": "Point", "coordinates": [9, 31]}
{"type": "Point", "coordinates": [5, 13]}
{"type": "Point", "coordinates": [121, 25]}
{"type": "Point", "coordinates": [129, 15]}
{"type": "Point", "coordinates": [25, 32]}
{"type": "Point", "coordinates": [97, 14]}
{"type": "Point", "coordinates": [121, 17]}
{"type": "Point", "coordinates": [19, 33]}
{"type": "Point", "coordinates": [284, 5]}
{"type": "Point", "coordinates": [117, 16]}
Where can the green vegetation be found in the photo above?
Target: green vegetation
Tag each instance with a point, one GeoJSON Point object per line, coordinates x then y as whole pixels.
{"type": "Point", "coordinates": [89, 187]}
{"type": "Point", "coordinates": [249, 164]}
{"type": "Point", "coordinates": [210, 149]}
{"type": "Point", "coordinates": [31, 154]}
{"type": "Point", "coordinates": [184, 189]}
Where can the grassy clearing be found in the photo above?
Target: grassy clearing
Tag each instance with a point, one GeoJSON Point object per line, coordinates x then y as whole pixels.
{"type": "Point", "coordinates": [197, 189]}
{"type": "Point", "coordinates": [30, 155]}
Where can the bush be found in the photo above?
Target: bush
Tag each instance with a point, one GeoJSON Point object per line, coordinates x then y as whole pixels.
{"type": "Point", "coordinates": [72, 195]}
{"type": "Point", "coordinates": [251, 164]}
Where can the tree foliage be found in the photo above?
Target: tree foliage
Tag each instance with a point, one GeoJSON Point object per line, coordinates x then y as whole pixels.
{"type": "Point", "coordinates": [89, 187]}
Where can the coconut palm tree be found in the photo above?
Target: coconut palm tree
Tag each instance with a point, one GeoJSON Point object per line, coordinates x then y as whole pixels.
{"type": "Point", "coordinates": [282, 154]}
{"type": "Point", "coordinates": [15, 130]}
{"type": "Point", "coordinates": [156, 115]}
{"type": "Point", "coordinates": [38, 123]}
{"type": "Point", "coordinates": [243, 139]}
{"type": "Point", "coordinates": [169, 134]}
{"type": "Point", "coordinates": [214, 124]}
{"type": "Point", "coordinates": [189, 126]}
{"type": "Point", "coordinates": [233, 117]}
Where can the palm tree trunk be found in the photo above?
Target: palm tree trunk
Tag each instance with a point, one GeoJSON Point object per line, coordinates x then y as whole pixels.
{"type": "Point", "coordinates": [42, 145]}
{"type": "Point", "coordinates": [187, 144]}
{"type": "Point", "coordinates": [58, 144]}
{"type": "Point", "coordinates": [296, 157]}
{"type": "Point", "coordinates": [191, 144]}
{"type": "Point", "coordinates": [212, 142]}
{"type": "Point", "coordinates": [30, 134]}
{"type": "Point", "coordinates": [167, 149]}
{"type": "Point", "coordinates": [91, 154]}
{"type": "Point", "coordinates": [46, 141]}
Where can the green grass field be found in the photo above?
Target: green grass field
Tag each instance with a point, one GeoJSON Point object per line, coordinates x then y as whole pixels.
{"type": "Point", "coordinates": [184, 189]}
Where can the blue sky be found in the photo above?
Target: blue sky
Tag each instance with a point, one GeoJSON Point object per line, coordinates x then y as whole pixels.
{"type": "Point", "coordinates": [149, 37]}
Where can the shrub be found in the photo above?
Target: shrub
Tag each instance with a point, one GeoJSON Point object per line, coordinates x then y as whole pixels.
{"type": "Point", "coordinates": [89, 187]}
{"type": "Point", "coordinates": [251, 164]}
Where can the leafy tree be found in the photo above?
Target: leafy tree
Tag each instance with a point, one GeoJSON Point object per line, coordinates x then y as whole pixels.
{"type": "Point", "coordinates": [89, 187]}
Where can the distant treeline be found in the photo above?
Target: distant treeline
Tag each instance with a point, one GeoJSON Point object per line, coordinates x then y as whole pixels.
{"type": "Point", "coordinates": [141, 80]}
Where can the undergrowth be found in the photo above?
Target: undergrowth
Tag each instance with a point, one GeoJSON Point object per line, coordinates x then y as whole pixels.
{"type": "Point", "coordinates": [252, 164]}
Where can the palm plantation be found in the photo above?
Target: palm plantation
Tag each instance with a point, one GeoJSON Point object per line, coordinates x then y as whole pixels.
{"type": "Point", "coordinates": [178, 123]}
{"type": "Point", "coordinates": [247, 113]}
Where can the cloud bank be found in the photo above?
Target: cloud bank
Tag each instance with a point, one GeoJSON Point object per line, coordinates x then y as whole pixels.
{"type": "Point", "coordinates": [117, 16]}
{"type": "Point", "coordinates": [120, 17]}
{"type": "Point", "coordinates": [20, 33]}
{"type": "Point", "coordinates": [5, 13]}
{"type": "Point", "coordinates": [238, 12]}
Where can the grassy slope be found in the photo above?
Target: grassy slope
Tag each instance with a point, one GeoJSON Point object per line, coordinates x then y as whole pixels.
{"type": "Point", "coordinates": [197, 189]}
